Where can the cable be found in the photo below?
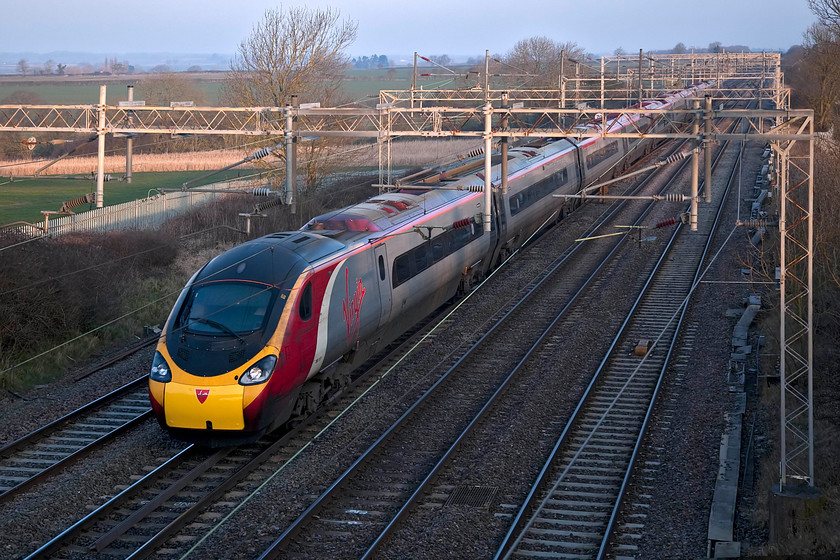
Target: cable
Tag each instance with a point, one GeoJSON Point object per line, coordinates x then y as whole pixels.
{"type": "Point", "coordinates": [388, 372]}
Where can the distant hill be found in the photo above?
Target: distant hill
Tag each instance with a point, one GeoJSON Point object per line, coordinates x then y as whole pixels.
{"type": "Point", "coordinates": [89, 62]}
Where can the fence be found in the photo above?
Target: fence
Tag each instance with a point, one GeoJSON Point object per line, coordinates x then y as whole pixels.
{"type": "Point", "coordinates": [138, 214]}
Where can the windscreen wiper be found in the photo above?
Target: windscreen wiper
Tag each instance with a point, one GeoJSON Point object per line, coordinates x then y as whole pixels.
{"type": "Point", "coordinates": [217, 325]}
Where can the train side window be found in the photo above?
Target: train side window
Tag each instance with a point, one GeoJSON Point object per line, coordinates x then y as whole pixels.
{"type": "Point", "coordinates": [381, 267]}
{"type": "Point", "coordinates": [438, 248]}
{"type": "Point", "coordinates": [422, 259]}
{"type": "Point", "coordinates": [305, 306]}
{"type": "Point", "coordinates": [402, 269]}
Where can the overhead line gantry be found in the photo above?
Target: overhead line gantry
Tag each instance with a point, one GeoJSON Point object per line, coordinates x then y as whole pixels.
{"type": "Point", "coordinates": [585, 94]}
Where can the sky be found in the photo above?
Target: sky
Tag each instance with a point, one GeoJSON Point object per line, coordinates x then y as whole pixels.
{"type": "Point", "coordinates": [401, 27]}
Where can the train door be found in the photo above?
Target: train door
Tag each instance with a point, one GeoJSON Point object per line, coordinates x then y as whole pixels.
{"type": "Point", "coordinates": [381, 265]}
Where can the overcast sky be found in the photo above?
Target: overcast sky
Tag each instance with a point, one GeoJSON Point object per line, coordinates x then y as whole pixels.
{"type": "Point", "coordinates": [391, 27]}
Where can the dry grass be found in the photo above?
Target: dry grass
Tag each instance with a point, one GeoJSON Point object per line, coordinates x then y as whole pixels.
{"type": "Point", "coordinates": [404, 153]}
{"type": "Point", "coordinates": [420, 152]}
{"type": "Point", "coordinates": [183, 161]}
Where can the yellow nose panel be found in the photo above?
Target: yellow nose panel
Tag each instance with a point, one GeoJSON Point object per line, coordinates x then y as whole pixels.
{"type": "Point", "coordinates": [191, 406]}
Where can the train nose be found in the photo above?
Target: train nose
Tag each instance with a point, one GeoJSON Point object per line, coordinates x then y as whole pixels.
{"type": "Point", "coordinates": [199, 407]}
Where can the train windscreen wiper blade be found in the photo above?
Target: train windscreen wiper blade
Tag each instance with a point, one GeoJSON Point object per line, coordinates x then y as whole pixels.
{"type": "Point", "coordinates": [217, 325]}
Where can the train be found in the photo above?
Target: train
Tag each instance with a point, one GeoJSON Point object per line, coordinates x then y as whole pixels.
{"type": "Point", "coordinates": [266, 330]}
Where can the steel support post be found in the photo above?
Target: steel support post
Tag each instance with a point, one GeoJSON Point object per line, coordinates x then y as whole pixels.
{"type": "Point", "coordinates": [603, 94]}
{"type": "Point", "coordinates": [796, 229]}
{"type": "Point", "coordinates": [488, 164]}
{"type": "Point", "coordinates": [129, 141]}
{"type": "Point", "coordinates": [100, 160]}
{"type": "Point", "coordinates": [504, 144]}
{"type": "Point", "coordinates": [641, 87]}
{"type": "Point", "coordinates": [695, 164]}
{"type": "Point", "coordinates": [291, 168]}
{"type": "Point", "coordinates": [562, 79]}
{"type": "Point", "coordinates": [707, 149]}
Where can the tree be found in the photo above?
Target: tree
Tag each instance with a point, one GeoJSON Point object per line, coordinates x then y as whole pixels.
{"type": "Point", "coordinates": [619, 51]}
{"type": "Point", "coordinates": [679, 48]}
{"type": "Point", "coordinates": [118, 67]}
{"type": "Point", "coordinates": [160, 90]}
{"type": "Point", "coordinates": [716, 47]}
{"type": "Point", "coordinates": [827, 12]}
{"type": "Point", "coordinates": [821, 87]}
{"type": "Point", "coordinates": [23, 66]}
{"type": "Point", "coordinates": [293, 51]}
{"type": "Point", "coordinates": [541, 58]}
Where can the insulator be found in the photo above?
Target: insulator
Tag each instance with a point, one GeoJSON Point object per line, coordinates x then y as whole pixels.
{"type": "Point", "coordinates": [668, 222]}
{"type": "Point", "coordinates": [754, 224]}
{"type": "Point", "coordinates": [674, 197]}
{"type": "Point", "coordinates": [262, 191]}
{"type": "Point", "coordinates": [474, 153]}
{"type": "Point", "coordinates": [461, 223]}
{"type": "Point", "coordinates": [89, 198]}
{"type": "Point", "coordinates": [475, 188]}
{"type": "Point", "coordinates": [261, 153]}
{"type": "Point", "coordinates": [266, 205]}
{"type": "Point", "coordinates": [677, 157]}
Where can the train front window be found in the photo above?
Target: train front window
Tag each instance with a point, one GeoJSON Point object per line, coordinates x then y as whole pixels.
{"type": "Point", "coordinates": [227, 308]}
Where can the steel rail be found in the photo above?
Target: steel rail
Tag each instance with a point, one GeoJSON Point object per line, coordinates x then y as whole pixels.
{"type": "Point", "coordinates": [58, 541]}
{"type": "Point", "coordinates": [79, 444]}
{"type": "Point", "coordinates": [315, 507]}
{"type": "Point", "coordinates": [507, 547]}
{"type": "Point", "coordinates": [679, 323]}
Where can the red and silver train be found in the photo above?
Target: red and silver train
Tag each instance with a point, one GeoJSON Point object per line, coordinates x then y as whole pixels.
{"type": "Point", "coordinates": [252, 336]}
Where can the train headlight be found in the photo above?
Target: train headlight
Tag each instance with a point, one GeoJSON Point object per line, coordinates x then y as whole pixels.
{"type": "Point", "coordinates": [258, 372]}
{"type": "Point", "coordinates": [160, 369]}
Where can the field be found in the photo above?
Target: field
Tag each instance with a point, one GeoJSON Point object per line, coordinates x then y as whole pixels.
{"type": "Point", "coordinates": [23, 199]}
{"type": "Point", "coordinates": [359, 85]}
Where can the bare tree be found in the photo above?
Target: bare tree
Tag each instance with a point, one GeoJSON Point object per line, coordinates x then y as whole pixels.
{"type": "Point", "coordinates": [679, 48]}
{"type": "Point", "coordinates": [541, 58]}
{"type": "Point", "coordinates": [293, 51]}
{"type": "Point", "coordinates": [827, 12]}
{"type": "Point", "coordinates": [821, 87]}
{"type": "Point", "coordinates": [23, 66]}
{"type": "Point", "coordinates": [160, 90]}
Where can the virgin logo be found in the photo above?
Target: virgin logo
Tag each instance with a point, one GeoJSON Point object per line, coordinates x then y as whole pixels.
{"type": "Point", "coordinates": [202, 394]}
{"type": "Point", "coordinates": [352, 306]}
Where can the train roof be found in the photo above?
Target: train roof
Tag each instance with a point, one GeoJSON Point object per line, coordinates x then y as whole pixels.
{"type": "Point", "coordinates": [270, 259]}
{"type": "Point", "coordinates": [381, 213]}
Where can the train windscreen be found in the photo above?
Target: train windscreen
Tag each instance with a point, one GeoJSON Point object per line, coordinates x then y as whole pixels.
{"type": "Point", "coordinates": [227, 308]}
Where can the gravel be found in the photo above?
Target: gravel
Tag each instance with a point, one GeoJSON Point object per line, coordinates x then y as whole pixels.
{"type": "Point", "coordinates": [684, 437]}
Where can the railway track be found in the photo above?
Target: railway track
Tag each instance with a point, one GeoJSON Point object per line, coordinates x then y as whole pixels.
{"type": "Point", "coordinates": [138, 521]}
{"type": "Point", "coordinates": [34, 457]}
{"type": "Point", "coordinates": [573, 507]}
{"type": "Point", "coordinates": [143, 517]}
{"type": "Point", "coordinates": [359, 511]}
{"type": "Point", "coordinates": [132, 529]}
